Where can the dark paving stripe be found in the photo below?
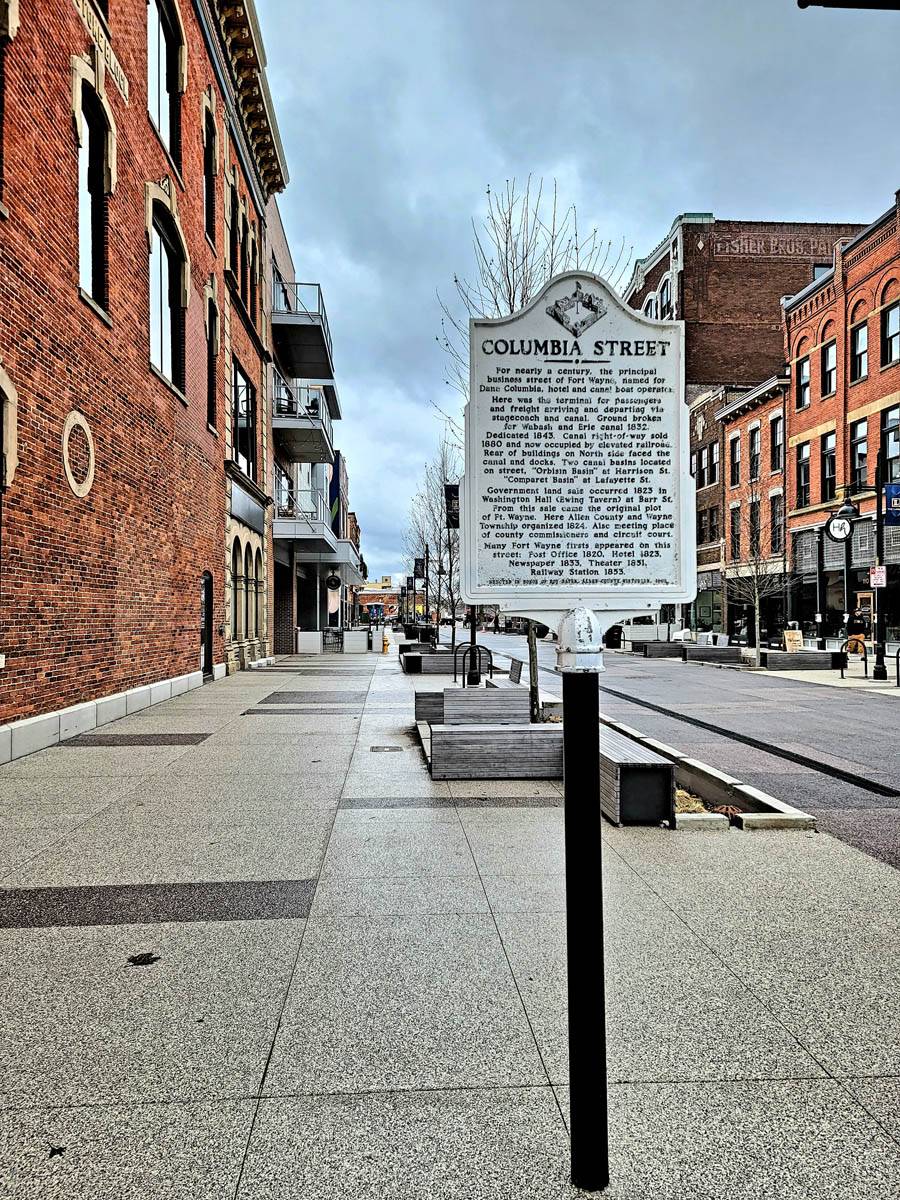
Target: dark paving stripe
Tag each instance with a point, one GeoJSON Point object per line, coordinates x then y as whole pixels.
{"type": "Point", "coordinates": [460, 802]}
{"type": "Point", "coordinates": [314, 710]}
{"type": "Point", "coordinates": [860, 781]}
{"type": "Point", "coordinates": [311, 697]}
{"type": "Point", "coordinates": [316, 673]}
{"type": "Point", "coordinates": [154, 903]}
{"type": "Point", "coordinates": [135, 739]}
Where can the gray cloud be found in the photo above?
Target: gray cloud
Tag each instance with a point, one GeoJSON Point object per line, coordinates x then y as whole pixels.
{"type": "Point", "coordinates": [397, 114]}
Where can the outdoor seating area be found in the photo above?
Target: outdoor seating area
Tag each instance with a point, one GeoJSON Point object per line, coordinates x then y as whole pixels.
{"type": "Point", "coordinates": [801, 660]}
{"type": "Point", "coordinates": [711, 654]}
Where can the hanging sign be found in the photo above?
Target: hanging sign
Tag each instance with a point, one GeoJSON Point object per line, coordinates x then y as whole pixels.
{"type": "Point", "coordinates": [451, 504]}
{"type": "Point", "coordinates": [839, 529]}
{"type": "Point", "coordinates": [892, 504]}
{"type": "Point", "coordinates": [419, 568]}
{"type": "Point", "coordinates": [577, 490]}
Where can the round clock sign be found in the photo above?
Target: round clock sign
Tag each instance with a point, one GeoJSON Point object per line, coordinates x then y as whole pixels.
{"type": "Point", "coordinates": [838, 529]}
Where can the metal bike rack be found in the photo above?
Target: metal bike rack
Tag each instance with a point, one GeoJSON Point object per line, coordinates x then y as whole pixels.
{"type": "Point", "coordinates": [477, 652]}
{"type": "Point", "coordinates": [845, 661]}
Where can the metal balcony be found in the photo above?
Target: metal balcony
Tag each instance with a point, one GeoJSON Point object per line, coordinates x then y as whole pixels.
{"type": "Point", "coordinates": [303, 516]}
{"type": "Point", "coordinates": [300, 330]}
{"type": "Point", "coordinates": [301, 422]}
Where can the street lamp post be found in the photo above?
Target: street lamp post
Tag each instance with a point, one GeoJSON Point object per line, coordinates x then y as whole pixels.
{"type": "Point", "coordinates": [879, 670]}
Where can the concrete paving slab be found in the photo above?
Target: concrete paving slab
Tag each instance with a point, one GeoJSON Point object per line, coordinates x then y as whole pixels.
{"type": "Point", "coordinates": [118, 762]}
{"type": "Point", "coordinates": [397, 843]}
{"type": "Point", "coordinates": [419, 896]}
{"type": "Point", "coordinates": [81, 1025]}
{"type": "Point", "coordinates": [237, 798]}
{"type": "Point", "coordinates": [402, 1003]}
{"type": "Point", "coordinates": [674, 1011]}
{"type": "Point", "coordinates": [122, 848]}
{"type": "Point", "coordinates": [461, 789]}
{"type": "Point", "coordinates": [526, 893]}
{"type": "Point", "coordinates": [470, 1145]}
{"type": "Point", "coordinates": [139, 1152]}
{"type": "Point", "coordinates": [515, 841]}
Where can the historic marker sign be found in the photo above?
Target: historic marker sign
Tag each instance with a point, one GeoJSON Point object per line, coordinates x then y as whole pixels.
{"type": "Point", "coordinates": [577, 490]}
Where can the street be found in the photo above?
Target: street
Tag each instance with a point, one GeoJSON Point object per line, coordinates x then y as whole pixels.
{"type": "Point", "coordinates": [837, 729]}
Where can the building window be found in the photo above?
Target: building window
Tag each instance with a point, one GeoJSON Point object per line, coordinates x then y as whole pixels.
{"type": "Point", "coordinates": [702, 457]}
{"type": "Point", "coordinates": [803, 475]}
{"type": "Point", "coordinates": [236, 561]}
{"type": "Point", "coordinates": [166, 312]}
{"type": "Point", "coordinates": [890, 439]}
{"type": "Point", "coordinates": [754, 528]}
{"type": "Point", "coordinates": [776, 523]}
{"type": "Point", "coordinates": [243, 263]}
{"type": "Point", "coordinates": [260, 597]}
{"type": "Point", "coordinates": [829, 368]}
{"type": "Point", "coordinates": [735, 534]}
{"type": "Point", "coordinates": [820, 270]}
{"type": "Point", "coordinates": [244, 422]}
{"type": "Point", "coordinates": [92, 198]}
{"type": "Point", "coordinates": [253, 289]}
{"type": "Point", "coordinates": [665, 301]}
{"type": "Point", "coordinates": [859, 352]}
{"type": "Point", "coordinates": [702, 527]}
{"type": "Point", "coordinates": [650, 307]}
{"type": "Point", "coordinates": [713, 524]}
{"type": "Point", "coordinates": [284, 492]}
{"type": "Point", "coordinates": [163, 89]}
{"type": "Point", "coordinates": [859, 455]}
{"type": "Point", "coordinates": [734, 461]}
{"type": "Point", "coordinates": [828, 466]}
{"type": "Point", "coordinates": [890, 335]}
{"type": "Point", "coordinates": [776, 443]}
{"type": "Point", "coordinates": [694, 464]}
{"type": "Point", "coordinates": [233, 233]}
{"type": "Point", "coordinates": [803, 382]}
{"type": "Point", "coordinates": [753, 440]}
{"type": "Point", "coordinates": [212, 345]}
{"type": "Point", "coordinates": [712, 465]}
{"type": "Point", "coordinates": [209, 175]}
{"type": "Point", "coordinates": [249, 595]}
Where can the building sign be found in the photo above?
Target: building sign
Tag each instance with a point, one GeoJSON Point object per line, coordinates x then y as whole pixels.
{"type": "Point", "coordinates": [94, 26]}
{"type": "Point", "coordinates": [774, 245]}
{"type": "Point", "coordinates": [577, 491]}
{"type": "Point", "coordinates": [451, 504]}
{"type": "Point", "coordinates": [892, 504]}
{"type": "Point", "coordinates": [793, 640]}
{"type": "Point", "coordinates": [877, 577]}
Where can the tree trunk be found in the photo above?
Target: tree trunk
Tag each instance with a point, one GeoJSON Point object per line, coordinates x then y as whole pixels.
{"type": "Point", "coordinates": [756, 623]}
{"type": "Point", "coordinates": [533, 675]}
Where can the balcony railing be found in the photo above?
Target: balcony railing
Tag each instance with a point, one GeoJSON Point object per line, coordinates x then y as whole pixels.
{"type": "Point", "coordinates": [304, 300]}
{"type": "Point", "coordinates": [302, 403]}
{"type": "Point", "coordinates": [302, 504]}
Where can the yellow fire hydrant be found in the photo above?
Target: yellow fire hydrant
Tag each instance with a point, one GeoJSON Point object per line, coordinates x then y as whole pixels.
{"type": "Point", "coordinates": [384, 643]}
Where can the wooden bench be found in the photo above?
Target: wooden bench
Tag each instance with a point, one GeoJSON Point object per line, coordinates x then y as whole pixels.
{"type": "Point", "coordinates": [800, 660]}
{"type": "Point", "coordinates": [657, 649]}
{"type": "Point", "coordinates": [637, 786]}
{"type": "Point", "coordinates": [429, 706]}
{"type": "Point", "coordinates": [470, 706]}
{"type": "Point", "coordinates": [549, 703]}
{"type": "Point", "coordinates": [415, 663]}
{"type": "Point", "coordinates": [496, 751]}
{"type": "Point", "coordinates": [715, 654]}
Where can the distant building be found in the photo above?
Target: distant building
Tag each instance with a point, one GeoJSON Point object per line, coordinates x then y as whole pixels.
{"type": "Point", "coordinates": [725, 280]}
{"type": "Point", "coordinates": [842, 341]}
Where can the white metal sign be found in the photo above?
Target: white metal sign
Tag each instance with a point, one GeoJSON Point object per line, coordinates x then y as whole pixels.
{"type": "Point", "coordinates": [877, 577]}
{"type": "Point", "coordinates": [577, 490]}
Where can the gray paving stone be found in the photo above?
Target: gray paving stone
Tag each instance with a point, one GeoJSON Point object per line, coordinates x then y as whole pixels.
{"type": "Point", "coordinates": [140, 1152]}
{"type": "Point", "coordinates": [515, 841]}
{"type": "Point", "coordinates": [471, 1145]}
{"type": "Point", "coordinates": [423, 895]}
{"type": "Point", "coordinates": [80, 1025]}
{"type": "Point", "coordinates": [397, 843]}
{"type": "Point", "coordinates": [402, 1003]}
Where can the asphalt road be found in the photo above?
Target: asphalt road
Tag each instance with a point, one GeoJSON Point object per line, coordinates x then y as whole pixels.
{"type": "Point", "coordinates": [851, 732]}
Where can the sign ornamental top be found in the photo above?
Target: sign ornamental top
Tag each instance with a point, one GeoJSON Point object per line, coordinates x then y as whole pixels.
{"type": "Point", "coordinates": [577, 490]}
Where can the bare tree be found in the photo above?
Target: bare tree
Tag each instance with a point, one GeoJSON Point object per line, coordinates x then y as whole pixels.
{"type": "Point", "coordinates": [756, 540]}
{"type": "Point", "coordinates": [427, 528]}
{"type": "Point", "coordinates": [526, 237]}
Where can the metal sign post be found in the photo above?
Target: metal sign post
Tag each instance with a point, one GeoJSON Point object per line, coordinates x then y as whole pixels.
{"type": "Point", "coordinates": [577, 500]}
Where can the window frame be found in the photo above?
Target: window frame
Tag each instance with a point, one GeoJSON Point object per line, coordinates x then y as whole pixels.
{"type": "Point", "coordinates": [754, 456]}
{"type": "Point", "coordinates": [890, 433]}
{"type": "Point", "coordinates": [828, 374]}
{"type": "Point", "coordinates": [828, 466]}
{"type": "Point", "coordinates": [803, 383]}
{"type": "Point", "coordinates": [859, 458]}
{"type": "Point", "coordinates": [162, 231]}
{"type": "Point", "coordinates": [210, 171]}
{"type": "Point", "coordinates": [247, 463]}
{"type": "Point", "coordinates": [93, 169]}
{"type": "Point", "coordinates": [734, 461]}
{"type": "Point", "coordinates": [859, 356]}
{"type": "Point", "coordinates": [734, 547]}
{"type": "Point", "coordinates": [212, 361]}
{"type": "Point", "coordinates": [890, 341]}
{"type": "Point", "coordinates": [164, 83]}
{"type": "Point", "coordinates": [776, 444]}
{"type": "Point", "coordinates": [802, 459]}
{"type": "Point", "coordinates": [776, 523]}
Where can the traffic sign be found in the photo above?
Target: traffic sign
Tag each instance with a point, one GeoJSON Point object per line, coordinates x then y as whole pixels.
{"type": "Point", "coordinates": [877, 577]}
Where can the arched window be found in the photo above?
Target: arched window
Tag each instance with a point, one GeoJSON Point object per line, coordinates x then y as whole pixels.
{"type": "Point", "coordinates": [235, 589]}
{"type": "Point", "coordinates": [248, 589]}
{"type": "Point", "coordinates": [212, 349]}
{"type": "Point", "coordinates": [665, 301]}
{"type": "Point", "coordinates": [92, 177]}
{"type": "Point", "coordinates": [165, 74]}
{"type": "Point", "coordinates": [167, 266]}
{"type": "Point", "coordinates": [260, 597]}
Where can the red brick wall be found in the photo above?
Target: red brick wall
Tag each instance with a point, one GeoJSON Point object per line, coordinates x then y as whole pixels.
{"type": "Point", "coordinates": [867, 276]}
{"type": "Point", "coordinates": [747, 490]}
{"type": "Point", "coordinates": [101, 594]}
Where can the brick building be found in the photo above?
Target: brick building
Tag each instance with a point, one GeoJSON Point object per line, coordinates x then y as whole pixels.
{"type": "Point", "coordinates": [755, 549]}
{"type": "Point", "coordinates": [139, 149]}
{"type": "Point", "coordinates": [725, 280]}
{"type": "Point", "coordinates": [842, 341]}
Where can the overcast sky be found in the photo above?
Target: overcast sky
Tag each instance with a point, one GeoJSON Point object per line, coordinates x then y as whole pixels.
{"type": "Point", "coordinates": [397, 114]}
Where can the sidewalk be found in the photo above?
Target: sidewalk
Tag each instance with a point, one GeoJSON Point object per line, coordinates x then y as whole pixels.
{"type": "Point", "coordinates": [281, 962]}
